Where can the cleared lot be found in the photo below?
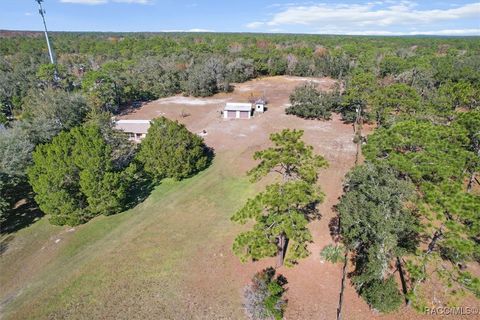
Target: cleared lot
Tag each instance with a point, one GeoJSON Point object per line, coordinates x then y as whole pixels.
{"type": "Point", "coordinates": [170, 257]}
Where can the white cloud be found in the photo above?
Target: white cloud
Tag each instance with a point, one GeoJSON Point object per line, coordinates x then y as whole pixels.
{"type": "Point", "coordinates": [443, 32]}
{"type": "Point", "coordinates": [199, 30]}
{"type": "Point", "coordinates": [89, 2]}
{"type": "Point", "coordinates": [96, 2]}
{"type": "Point", "coordinates": [254, 25]}
{"type": "Point", "coordinates": [451, 32]}
{"type": "Point", "coordinates": [387, 14]}
{"type": "Point", "coordinates": [134, 1]}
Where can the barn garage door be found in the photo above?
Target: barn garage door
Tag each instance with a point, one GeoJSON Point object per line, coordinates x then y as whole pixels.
{"type": "Point", "coordinates": [243, 114]}
{"type": "Point", "coordinates": [231, 114]}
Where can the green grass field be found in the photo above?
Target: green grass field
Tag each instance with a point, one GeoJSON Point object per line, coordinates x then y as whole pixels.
{"type": "Point", "coordinates": [143, 262]}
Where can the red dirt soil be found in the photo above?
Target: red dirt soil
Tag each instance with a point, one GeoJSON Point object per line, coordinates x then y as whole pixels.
{"type": "Point", "coordinates": [313, 285]}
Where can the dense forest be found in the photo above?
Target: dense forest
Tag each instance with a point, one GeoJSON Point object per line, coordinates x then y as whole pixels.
{"type": "Point", "coordinates": [412, 205]}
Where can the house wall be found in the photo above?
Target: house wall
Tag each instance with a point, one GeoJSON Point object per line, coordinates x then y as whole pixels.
{"type": "Point", "coordinates": [136, 137]}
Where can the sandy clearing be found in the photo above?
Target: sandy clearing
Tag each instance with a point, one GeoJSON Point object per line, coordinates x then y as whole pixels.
{"type": "Point", "coordinates": [313, 285]}
{"type": "Point", "coordinates": [172, 259]}
{"type": "Point", "coordinates": [314, 80]}
{"type": "Point", "coordinates": [188, 100]}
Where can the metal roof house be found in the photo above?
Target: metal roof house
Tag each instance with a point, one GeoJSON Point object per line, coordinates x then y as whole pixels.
{"type": "Point", "coordinates": [235, 110]}
{"type": "Point", "coordinates": [136, 129]}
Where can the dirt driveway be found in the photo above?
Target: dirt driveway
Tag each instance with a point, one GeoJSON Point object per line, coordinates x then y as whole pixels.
{"type": "Point", "coordinates": [313, 284]}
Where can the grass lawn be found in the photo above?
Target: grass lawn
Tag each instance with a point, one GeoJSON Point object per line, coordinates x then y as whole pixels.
{"type": "Point", "coordinates": [137, 264]}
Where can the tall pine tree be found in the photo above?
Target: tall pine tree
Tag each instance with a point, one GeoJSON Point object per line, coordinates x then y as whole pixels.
{"type": "Point", "coordinates": [437, 158]}
{"type": "Point", "coordinates": [281, 213]}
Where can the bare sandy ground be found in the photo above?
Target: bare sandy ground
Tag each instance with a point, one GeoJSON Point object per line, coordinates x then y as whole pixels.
{"type": "Point", "coordinates": [174, 281]}
{"type": "Point", "coordinates": [314, 284]}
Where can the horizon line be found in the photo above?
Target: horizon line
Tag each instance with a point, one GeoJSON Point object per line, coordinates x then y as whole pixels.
{"type": "Point", "coordinates": [247, 32]}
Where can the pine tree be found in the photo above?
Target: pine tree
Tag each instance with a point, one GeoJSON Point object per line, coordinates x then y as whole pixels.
{"type": "Point", "coordinates": [359, 93]}
{"type": "Point", "coordinates": [470, 121]}
{"type": "Point", "coordinates": [283, 210]}
{"type": "Point", "coordinates": [393, 101]}
{"type": "Point", "coordinates": [437, 158]}
{"type": "Point", "coordinates": [290, 157]}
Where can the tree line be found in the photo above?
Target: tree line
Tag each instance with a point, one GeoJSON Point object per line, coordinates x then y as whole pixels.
{"type": "Point", "coordinates": [118, 68]}
{"type": "Point", "coordinates": [409, 215]}
{"type": "Point", "coordinates": [92, 168]}
{"type": "Point", "coordinates": [411, 207]}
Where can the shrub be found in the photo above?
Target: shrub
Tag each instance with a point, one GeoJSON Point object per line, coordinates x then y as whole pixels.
{"type": "Point", "coordinates": [263, 297]}
{"type": "Point", "coordinates": [171, 151]}
{"type": "Point", "coordinates": [382, 295]}
{"type": "Point", "coordinates": [392, 65]}
{"type": "Point", "coordinates": [333, 253]}
{"type": "Point", "coordinates": [4, 205]}
{"type": "Point", "coordinates": [308, 102]}
{"type": "Point", "coordinates": [470, 282]}
{"type": "Point", "coordinates": [3, 118]}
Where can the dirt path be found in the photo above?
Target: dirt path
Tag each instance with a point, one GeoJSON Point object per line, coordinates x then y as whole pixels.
{"type": "Point", "coordinates": [314, 284]}
{"type": "Point", "coordinates": [170, 257]}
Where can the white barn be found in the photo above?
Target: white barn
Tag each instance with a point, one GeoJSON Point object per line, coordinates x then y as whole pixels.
{"type": "Point", "coordinates": [235, 110]}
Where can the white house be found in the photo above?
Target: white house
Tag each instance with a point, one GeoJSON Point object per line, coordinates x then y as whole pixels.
{"type": "Point", "coordinates": [235, 110]}
{"type": "Point", "coordinates": [136, 129]}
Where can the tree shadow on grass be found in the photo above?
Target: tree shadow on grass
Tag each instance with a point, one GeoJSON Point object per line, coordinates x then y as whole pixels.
{"type": "Point", "coordinates": [139, 190]}
{"type": "Point", "coordinates": [23, 214]}
{"type": "Point", "coordinates": [4, 243]}
{"type": "Point", "coordinates": [26, 211]}
{"type": "Point", "coordinates": [210, 153]}
{"type": "Point", "coordinates": [144, 184]}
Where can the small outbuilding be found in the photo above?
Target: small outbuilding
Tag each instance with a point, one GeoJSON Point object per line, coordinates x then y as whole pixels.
{"type": "Point", "coordinates": [234, 110]}
{"type": "Point", "coordinates": [260, 105]}
{"type": "Point", "coordinates": [136, 129]}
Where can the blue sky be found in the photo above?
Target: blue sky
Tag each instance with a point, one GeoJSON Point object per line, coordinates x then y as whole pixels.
{"type": "Point", "coordinates": [388, 17]}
